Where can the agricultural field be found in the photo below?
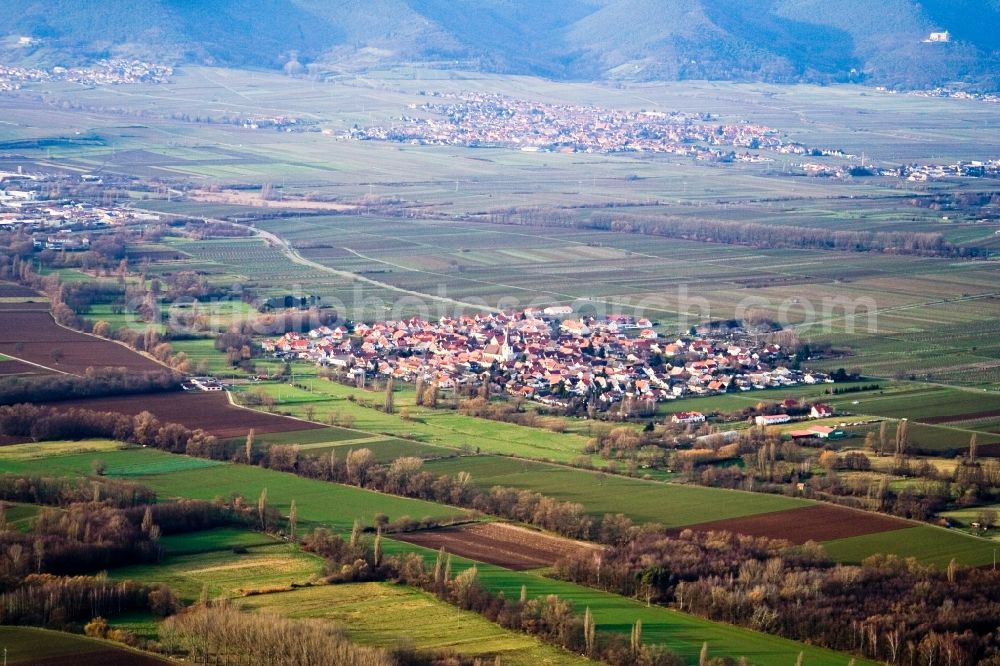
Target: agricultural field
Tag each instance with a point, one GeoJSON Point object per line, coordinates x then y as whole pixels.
{"type": "Point", "coordinates": [389, 615]}
{"type": "Point", "coordinates": [182, 476]}
{"type": "Point", "coordinates": [20, 517]}
{"type": "Point", "coordinates": [439, 427]}
{"type": "Point", "coordinates": [671, 505]}
{"type": "Point", "coordinates": [820, 522]}
{"type": "Point", "coordinates": [851, 535]}
{"type": "Point", "coordinates": [31, 646]}
{"type": "Point", "coordinates": [230, 563]}
{"type": "Point", "coordinates": [209, 411]}
{"type": "Point", "coordinates": [505, 545]}
{"type": "Point", "coordinates": [30, 334]}
{"type": "Point", "coordinates": [337, 506]}
{"type": "Point", "coordinates": [682, 633]}
{"type": "Point", "coordinates": [926, 543]}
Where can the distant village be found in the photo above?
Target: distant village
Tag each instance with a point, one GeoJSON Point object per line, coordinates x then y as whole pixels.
{"type": "Point", "coordinates": [482, 120]}
{"type": "Point", "coordinates": [551, 357]}
{"type": "Point", "coordinates": [477, 120]}
{"type": "Point", "coordinates": [63, 224]}
{"type": "Point", "coordinates": [116, 71]}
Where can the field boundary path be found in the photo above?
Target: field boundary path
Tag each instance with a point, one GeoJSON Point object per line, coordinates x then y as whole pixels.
{"type": "Point", "coordinates": [293, 255]}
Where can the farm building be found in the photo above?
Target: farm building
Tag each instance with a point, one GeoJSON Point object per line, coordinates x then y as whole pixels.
{"type": "Point", "coordinates": [821, 411]}
{"type": "Point", "coordinates": [688, 417]}
{"type": "Point", "coordinates": [772, 419]}
{"type": "Point", "coordinates": [818, 431]}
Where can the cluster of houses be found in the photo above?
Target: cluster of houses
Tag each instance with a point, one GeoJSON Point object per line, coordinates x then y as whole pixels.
{"type": "Point", "coordinates": [114, 71]}
{"type": "Point", "coordinates": [548, 356]}
{"type": "Point", "coordinates": [482, 119]}
{"type": "Point", "coordinates": [914, 173]}
{"type": "Point", "coordinates": [56, 224]}
{"type": "Point", "coordinates": [203, 383]}
{"type": "Point", "coordinates": [816, 411]}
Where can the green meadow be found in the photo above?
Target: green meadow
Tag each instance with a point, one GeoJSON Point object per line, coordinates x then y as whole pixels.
{"type": "Point", "coordinates": [389, 615]}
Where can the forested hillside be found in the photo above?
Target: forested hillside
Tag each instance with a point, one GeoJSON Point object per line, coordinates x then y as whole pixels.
{"type": "Point", "coordinates": [881, 42]}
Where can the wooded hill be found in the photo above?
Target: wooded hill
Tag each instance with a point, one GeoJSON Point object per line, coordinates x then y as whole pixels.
{"type": "Point", "coordinates": [875, 41]}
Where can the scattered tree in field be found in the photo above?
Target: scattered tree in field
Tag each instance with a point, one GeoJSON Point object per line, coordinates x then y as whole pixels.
{"type": "Point", "coordinates": [973, 447]}
{"type": "Point", "coordinates": [419, 390]}
{"type": "Point", "coordinates": [882, 438]}
{"type": "Point", "coordinates": [431, 395]}
{"type": "Point", "coordinates": [389, 404]}
{"type": "Point", "coordinates": [589, 631]}
{"type": "Point", "coordinates": [147, 520]}
{"type": "Point", "coordinates": [262, 509]}
{"type": "Point", "coordinates": [987, 519]}
{"type": "Point", "coordinates": [902, 437]}
{"type": "Point", "coordinates": [636, 638]}
{"type": "Point", "coordinates": [293, 519]}
{"type": "Point", "coordinates": [98, 467]}
{"type": "Point", "coordinates": [248, 446]}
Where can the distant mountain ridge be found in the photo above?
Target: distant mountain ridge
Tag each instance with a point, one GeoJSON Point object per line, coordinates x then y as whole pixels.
{"type": "Point", "coordinates": [881, 42]}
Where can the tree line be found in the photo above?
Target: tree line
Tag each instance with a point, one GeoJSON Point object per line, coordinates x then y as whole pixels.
{"type": "Point", "coordinates": [95, 383]}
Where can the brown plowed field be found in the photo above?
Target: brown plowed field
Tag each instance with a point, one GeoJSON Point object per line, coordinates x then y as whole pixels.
{"type": "Point", "coordinates": [209, 411]}
{"type": "Point", "coordinates": [18, 368]}
{"type": "Point", "coordinates": [508, 546]}
{"type": "Point", "coordinates": [952, 418]}
{"type": "Point", "coordinates": [822, 522]}
{"type": "Point", "coordinates": [25, 305]}
{"type": "Point", "coordinates": [34, 336]}
{"type": "Point", "coordinates": [11, 290]}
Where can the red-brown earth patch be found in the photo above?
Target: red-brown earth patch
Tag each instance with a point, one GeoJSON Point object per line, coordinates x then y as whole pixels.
{"type": "Point", "coordinates": [11, 290]}
{"type": "Point", "coordinates": [823, 522]}
{"type": "Point", "coordinates": [25, 305]}
{"type": "Point", "coordinates": [15, 367]}
{"type": "Point", "coordinates": [209, 411]}
{"type": "Point", "coordinates": [33, 335]}
{"type": "Point", "coordinates": [508, 546]}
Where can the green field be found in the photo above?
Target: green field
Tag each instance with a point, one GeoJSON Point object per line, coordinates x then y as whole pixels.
{"type": "Point", "coordinates": [392, 615]}
{"type": "Point", "coordinates": [438, 427]}
{"type": "Point", "coordinates": [28, 645]}
{"type": "Point", "coordinates": [207, 541]}
{"type": "Point", "coordinates": [21, 517]}
{"type": "Point", "coordinates": [929, 544]}
{"type": "Point", "coordinates": [318, 502]}
{"type": "Point", "coordinates": [208, 559]}
{"type": "Point", "coordinates": [682, 633]}
{"type": "Point", "coordinates": [122, 463]}
{"type": "Point", "coordinates": [644, 501]}
{"type": "Point", "coordinates": [33, 450]}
